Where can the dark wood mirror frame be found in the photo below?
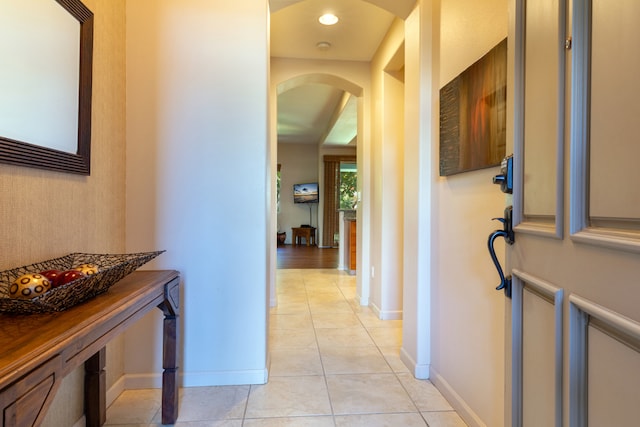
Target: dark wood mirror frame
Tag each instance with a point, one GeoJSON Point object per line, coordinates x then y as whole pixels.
{"type": "Point", "coordinates": [36, 156]}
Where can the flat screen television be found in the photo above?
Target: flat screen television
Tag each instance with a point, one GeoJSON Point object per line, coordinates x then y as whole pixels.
{"type": "Point", "coordinates": [305, 193]}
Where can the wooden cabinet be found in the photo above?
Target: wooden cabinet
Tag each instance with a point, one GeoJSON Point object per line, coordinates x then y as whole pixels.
{"type": "Point", "coordinates": [352, 246]}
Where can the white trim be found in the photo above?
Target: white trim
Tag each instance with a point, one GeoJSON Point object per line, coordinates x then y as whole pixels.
{"type": "Point", "coordinates": [516, 352]}
{"type": "Point", "coordinates": [385, 314]}
{"type": "Point", "coordinates": [82, 422]}
{"type": "Point", "coordinates": [581, 310]}
{"type": "Point", "coordinates": [538, 229]}
{"type": "Point", "coordinates": [391, 315]}
{"type": "Point", "coordinates": [562, 88]}
{"type": "Point", "coordinates": [608, 239]}
{"type": "Point", "coordinates": [376, 310]}
{"type": "Point", "coordinates": [513, 399]}
{"type": "Point", "coordinates": [198, 379]}
{"type": "Point", "coordinates": [521, 224]}
{"type": "Point", "coordinates": [142, 381]}
{"type": "Point", "coordinates": [579, 133]}
{"type": "Point", "coordinates": [521, 281]}
{"type": "Point", "coordinates": [363, 301]}
{"type": "Point", "coordinates": [578, 321]}
{"type": "Point", "coordinates": [580, 127]}
{"type": "Point", "coordinates": [518, 113]}
{"type": "Point", "coordinates": [466, 413]}
{"type": "Point", "coordinates": [612, 319]}
{"type": "Point", "coordinates": [115, 390]}
{"type": "Point", "coordinates": [421, 372]}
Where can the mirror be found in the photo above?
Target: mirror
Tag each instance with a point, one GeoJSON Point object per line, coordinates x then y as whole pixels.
{"type": "Point", "coordinates": [45, 116]}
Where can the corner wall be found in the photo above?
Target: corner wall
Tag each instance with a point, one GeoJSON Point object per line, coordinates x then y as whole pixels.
{"type": "Point", "coordinates": [387, 185]}
{"type": "Point", "coordinates": [49, 214]}
{"type": "Point", "coordinates": [198, 162]}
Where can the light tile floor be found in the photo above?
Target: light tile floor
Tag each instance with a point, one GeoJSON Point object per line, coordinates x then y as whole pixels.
{"type": "Point", "coordinates": [333, 363]}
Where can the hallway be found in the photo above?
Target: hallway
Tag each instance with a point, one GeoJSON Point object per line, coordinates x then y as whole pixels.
{"type": "Point", "coordinates": [333, 363]}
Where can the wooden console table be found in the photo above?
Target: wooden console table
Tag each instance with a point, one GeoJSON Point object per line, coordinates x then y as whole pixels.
{"type": "Point", "coordinates": [38, 350]}
{"type": "Point", "coordinates": [309, 233]}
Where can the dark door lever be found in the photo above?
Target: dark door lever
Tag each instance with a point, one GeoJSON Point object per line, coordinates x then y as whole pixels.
{"type": "Point", "coordinates": [509, 237]}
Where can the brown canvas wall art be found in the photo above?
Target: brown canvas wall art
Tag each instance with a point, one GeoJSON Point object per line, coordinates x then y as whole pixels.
{"type": "Point", "coordinates": [473, 115]}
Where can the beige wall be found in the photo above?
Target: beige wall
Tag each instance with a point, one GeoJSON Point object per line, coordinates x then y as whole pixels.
{"type": "Point", "coordinates": [387, 154]}
{"type": "Point", "coordinates": [48, 214]}
{"type": "Point", "coordinates": [468, 314]}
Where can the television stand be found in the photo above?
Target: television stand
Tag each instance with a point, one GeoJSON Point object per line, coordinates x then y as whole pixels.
{"type": "Point", "coordinates": [308, 233]}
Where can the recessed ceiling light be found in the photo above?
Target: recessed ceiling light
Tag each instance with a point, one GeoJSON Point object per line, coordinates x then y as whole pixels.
{"type": "Point", "coordinates": [323, 45]}
{"type": "Point", "coordinates": [328, 19]}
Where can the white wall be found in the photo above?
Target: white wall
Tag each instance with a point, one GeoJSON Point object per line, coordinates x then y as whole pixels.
{"type": "Point", "coordinates": [299, 165]}
{"type": "Point", "coordinates": [468, 314]}
{"type": "Point", "coordinates": [195, 114]}
{"type": "Point", "coordinates": [198, 168]}
{"type": "Point", "coordinates": [421, 71]}
{"type": "Point", "coordinates": [387, 155]}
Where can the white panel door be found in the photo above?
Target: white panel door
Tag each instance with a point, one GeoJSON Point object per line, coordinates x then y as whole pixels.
{"type": "Point", "coordinates": [575, 263]}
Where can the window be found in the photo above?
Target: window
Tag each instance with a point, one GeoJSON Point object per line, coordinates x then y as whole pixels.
{"type": "Point", "coordinates": [348, 185]}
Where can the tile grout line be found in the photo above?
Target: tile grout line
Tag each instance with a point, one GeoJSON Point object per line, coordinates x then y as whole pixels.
{"type": "Point", "coordinates": [324, 372]}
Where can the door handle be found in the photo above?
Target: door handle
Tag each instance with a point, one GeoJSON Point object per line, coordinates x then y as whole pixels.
{"type": "Point", "coordinates": [509, 237]}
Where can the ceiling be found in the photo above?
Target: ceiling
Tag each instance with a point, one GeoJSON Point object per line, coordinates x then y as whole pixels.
{"type": "Point", "coordinates": [315, 113]}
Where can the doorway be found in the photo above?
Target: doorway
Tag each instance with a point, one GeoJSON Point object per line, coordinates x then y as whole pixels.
{"type": "Point", "coordinates": [301, 158]}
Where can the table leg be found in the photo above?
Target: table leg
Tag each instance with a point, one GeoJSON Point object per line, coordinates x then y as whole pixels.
{"type": "Point", "coordinates": [95, 386]}
{"type": "Point", "coordinates": [170, 309]}
{"type": "Point", "coordinates": [170, 373]}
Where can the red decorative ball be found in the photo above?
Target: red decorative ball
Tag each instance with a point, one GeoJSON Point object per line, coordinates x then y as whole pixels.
{"type": "Point", "coordinates": [69, 276]}
{"type": "Point", "coordinates": [53, 276]}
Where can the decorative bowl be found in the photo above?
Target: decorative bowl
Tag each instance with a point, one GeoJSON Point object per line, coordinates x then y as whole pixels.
{"type": "Point", "coordinates": [111, 268]}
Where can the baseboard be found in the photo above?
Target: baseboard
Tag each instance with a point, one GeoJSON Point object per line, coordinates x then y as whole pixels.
{"type": "Point", "coordinates": [203, 379]}
{"type": "Point", "coordinates": [375, 309]}
{"type": "Point", "coordinates": [82, 422]}
{"type": "Point", "coordinates": [198, 379]}
{"type": "Point", "coordinates": [362, 300]}
{"type": "Point", "coordinates": [115, 390]}
{"type": "Point", "coordinates": [141, 381]}
{"type": "Point", "coordinates": [112, 394]}
{"type": "Point", "coordinates": [421, 372]}
{"type": "Point", "coordinates": [466, 413]}
{"type": "Point", "coordinates": [386, 314]}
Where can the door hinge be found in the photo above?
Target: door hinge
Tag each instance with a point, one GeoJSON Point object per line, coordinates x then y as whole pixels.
{"type": "Point", "coordinates": [567, 43]}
